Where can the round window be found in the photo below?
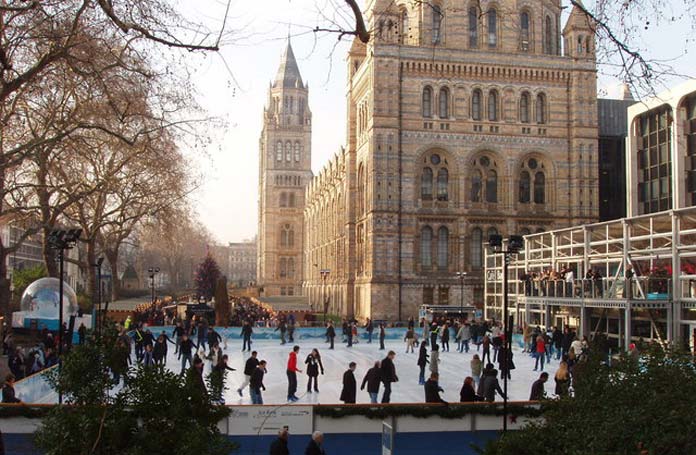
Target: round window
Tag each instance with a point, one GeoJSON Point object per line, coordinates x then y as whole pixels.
{"type": "Point", "coordinates": [532, 163]}
{"type": "Point", "coordinates": [484, 161]}
{"type": "Point", "coordinates": [435, 158]}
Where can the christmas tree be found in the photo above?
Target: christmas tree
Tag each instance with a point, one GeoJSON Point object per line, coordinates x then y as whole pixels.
{"type": "Point", "coordinates": [207, 276]}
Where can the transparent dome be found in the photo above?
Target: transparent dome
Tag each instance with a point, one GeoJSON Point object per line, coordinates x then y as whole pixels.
{"type": "Point", "coordinates": [40, 300]}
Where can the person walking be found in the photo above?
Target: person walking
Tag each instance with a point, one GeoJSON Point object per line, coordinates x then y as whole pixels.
{"type": "Point", "coordinates": [422, 361]}
{"type": "Point", "coordinates": [468, 393]}
{"type": "Point", "coordinates": [249, 367]}
{"type": "Point", "coordinates": [539, 352]}
{"type": "Point", "coordinates": [389, 376]}
{"type": "Point", "coordinates": [256, 383]}
{"type": "Point", "coordinates": [349, 392]}
{"type": "Point", "coordinates": [330, 334]}
{"type": "Point", "coordinates": [435, 359]}
{"type": "Point", "coordinates": [538, 392]}
{"type": "Point", "coordinates": [433, 389]}
{"type": "Point", "coordinates": [372, 378]}
{"type": "Point", "coordinates": [410, 339]}
{"type": "Point", "coordinates": [292, 371]}
{"type": "Point", "coordinates": [562, 379]}
{"type": "Point", "coordinates": [382, 335]}
{"type": "Point", "coordinates": [476, 366]}
{"type": "Point", "coordinates": [280, 445]}
{"type": "Point", "coordinates": [247, 331]}
{"type": "Point", "coordinates": [315, 444]}
{"type": "Point", "coordinates": [444, 337]}
{"type": "Point", "coordinates": [314, 365]}
{"type": "Point", "coordinates": [464, 336]}
{"type": "Point", "coordinates": [369, 328]}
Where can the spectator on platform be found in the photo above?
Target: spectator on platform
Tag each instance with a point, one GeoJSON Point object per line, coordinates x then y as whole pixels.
{"type": "Point", "coordinates": [280, 445]}
{"type": "Point", "coordinates": [314, 447]}
{"type": "Point", "coordinates": [314, 365]}
{"type": "Point", "coordinates": [468, 393]}
{"type": "Point", "coordinates": [292, 371]}
{"type": "Point", "coordinates": [256, 383]}
{"type": "Point", "coordinates": [538, 392]}
{"type": "Point", "coordinates": [372, 378]}
{"type": "Point", "coordinates": [389, 376]}
{"type": "Point", "coordinates": [8, 391]}
{"type": "Point", "coordinates": [433, 389]}
{"type": "Point", "coordinates": [422, 361]}
{"type": "Point", "coordinates": [349, 391]}
{"type": "Point", "coordinates": [249, 367]}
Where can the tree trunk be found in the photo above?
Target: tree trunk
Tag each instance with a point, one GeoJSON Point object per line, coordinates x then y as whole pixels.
{"type": "Point", "coordinates": [49, 254]}
{"type": "Point", "coordinates": [44, 198]}
{"type": "Point", "coordinates": [112, 257]}
{"type": "Point", "coordinates": [5, 293]}
{"type": "Point", "coordinates": [91, 271]}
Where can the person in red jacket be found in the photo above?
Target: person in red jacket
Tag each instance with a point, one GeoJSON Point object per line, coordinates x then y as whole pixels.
{"type": "Point", "coordinates": [540, 352]}
{"type": "Point", "coordinates": [292, 371]}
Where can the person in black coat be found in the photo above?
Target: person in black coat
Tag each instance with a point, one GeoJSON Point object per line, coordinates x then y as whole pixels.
{"type": "Point", "coordinates": [505, 362]}
{"type": "Point", "coordinates": [468, 394]}
{"type": "Point", "coordinates": [382, 334]}
{"type": "Point", "coordinates": [433, 389]}
{"type": "Point", "coordinates": [372, 378]}
{"type": "Point", "coordinates": [538, 392]}
{"type": "Point", "coordinates": [422, 361]}
{"type": "Point", "coordinates": [330, 334]}
{"type": "Point", "coordinates": [314, 365]}
{"type": "Point", "coordinates": [247, 330]}
{"type": "Point", "coordinates": [8, 391]}
{"type": "Point", "coordinates": [350, 385]}
{"type": "Point", "coordinates": [314, 447]}
{"type": "Point", "coordinates": [280, 445]}
{"type": "Point", "coordinates": [388, 371]}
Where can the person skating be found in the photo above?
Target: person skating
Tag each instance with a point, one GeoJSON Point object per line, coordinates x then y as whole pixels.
{"type": "Point", "coordinates": [433, 389]}
{"type": "Point", "coordinates": [330, 334]}
{"type": "Point", "coordinates": [369, 328]}
{"type": "Point", "coordinates": [247, 330]}
{"type": "Point", "coordinates": [476, 366]}
{"type": "Point", "coordinates": [349, 391]}
{"type": "Point", "coordinates": [486, 343]}
{"type": "Point", "coordinates": [217, 378]}
{"type": "Point", "coordinates": [177, 334]}
{"type": "Point", "coordinates": [539, 352]}
{"type": "Point", "coordinates": [444, 337]}
{"type": "Point", "coordinates": [372, 378]}
{"type": "Point", "coordinates": [345, 328]}
{"type": "Point", "coordinates": [422, 361]}
{"type": "Point", "coordinates": [389, 376]}
{"type": "Point", "coordinates": [538, 392]}
{"type": "Point", "coordinates": [468, 393]}
{"type": "Point", "coordinates": [291, 329]}
{"type": "Point", "coordinates": [214, 338]}
{"type": "Point", "coordinates": [351, 326]}
{"type": "Point", "coordinates": [282, 328]}
{"type": "Point", "coordinates": [435, 359]}
{"type": "Point", "coordinates": [314, 365]}
{"type": "Point", "coordinates": [249, 367]}
{"type": "Point", "coordinates": [464, 336]}
{"type": "Point", "coordinates": [315, 444]}
{"type": "Point", "coordinates": [410, 339]}
{"type": "Point", "coordinates": [562, 379]}
{"type": "Point", "coordinates": [185, 350]}
{"type": "Point", "coordinates": [280, 445]}
{"type": "Point", "coordinates": [382, 335]}
{"type": "Point", "coordinates": [557, 340]}
{"type": "Point", "coordinates": [505, 362]}
{"type": "Point", "coordinates": [292, 371]}
{"type": "Point", "coordinates": [256, 383]}
{"type": "Point", "coordinates": [491, 384]}
{"type": "Point", "coordinates": [202, 333]}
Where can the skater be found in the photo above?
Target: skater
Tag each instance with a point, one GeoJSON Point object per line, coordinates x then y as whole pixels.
{"type": "Point", "coordinates": [382, 334]}
{"type": "Point", "coordinates": [256, 383]}
{"type": "Point", "coordinates": [292, 371]}
{"type": "Point", "coordinates": [410, 340]}
{"type": "Point", "coordinates": [217, 379]}
{"type": "Point", "coordinates": [422, 361]}
{"type": "Point", "coordinates": [249, 367]}
{"type": "Point", "coordinates": [314, 447]}
{"type": "Point", "coordinates": [351, 326]}
{"type": "Point", "coordinates": [468, 393]}
{"type": "Point", "coordinates": [349, 392]}
{"type": "Point", "coordinates": [372, 378]}
{"type": "Point", "coordinates": [214, 338]}
{"type": "Point", "coordinates": [314, 365]}
{"type": "Point", "coordinates": [562, 379]}
{"type": "Point", "coordinates": [486, 348]}
{"type": "Point", "coordinates": [435, 359]}
{"type": "Point", "coordinates": [202, 333]}
{"type": "Point", "coordinates": [539, 352]}
{"type": "Point", "coordinates": [464, 336]}
{"type": "Point", "coordinates": [330, 334]}
{"type": "Point", "coordinates": [354, 331]}
{"type": "Point", "coordinates": [433, 389]}
{"type": "Point", "coordinates": [388, 375]}
{"type": "Point", "coordinates": [247, 330]}
{"type": "Point", "coordinates": [538, 393]}
{"type": "Point", "coordinates": [345, 329]}
{"type": "Point", "coordinates": [185, 352]}
{"type": "Point", "coordinates": [369, 328]}
{"type": "Point", "coordinates": [557, 339]}
{"type": "Point", "coordinates": [434, 329]}
{"type": "Point", "coordinates": [177, 333]}
{"type": "Point", "coordinates": [291, 329]}
{"type": "Point", "coordinates": [476, 366]}
{"type": "Point", "coordinates": [444, 337]}
{"type": "Point", "coordinates": [282, 328]}
{"type": "Point", "coordinates": [491, 384]}
{"type": "Point", "coordinates": [505, 362]}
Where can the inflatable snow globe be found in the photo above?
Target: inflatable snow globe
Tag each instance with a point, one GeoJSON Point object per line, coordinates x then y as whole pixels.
{"type": "Point", "coordinates": [40, 300]}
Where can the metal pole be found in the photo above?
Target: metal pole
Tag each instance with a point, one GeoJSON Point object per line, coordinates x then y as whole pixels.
{"type": "Point", "coordinates": [461, 296]}
{"type": "Point", "coordinates": [508, 335]}
{"type": "Point", "coordinates": [60, 316]}
{"type": "Point", "coordinates": [99, 300]}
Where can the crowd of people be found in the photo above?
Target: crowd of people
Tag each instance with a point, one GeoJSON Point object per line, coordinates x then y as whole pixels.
{"type": "Point", "coordinates": [562, 283]}
{"type": "Point", "coordinates": [246, 310]}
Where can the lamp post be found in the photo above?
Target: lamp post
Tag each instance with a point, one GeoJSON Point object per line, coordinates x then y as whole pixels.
{"type": "Point", "coordinates": [514, 244]}
{"type": "Point", "coordinates": [61, 240]}
{"type": "Point", "coordinates": [461, 276]}
{"type": "Point", "coordinates": [153, 271]}
{"type": "Point", "coordinates": [324, 275]}
{"type": "Point", "coordinates": [97, 320]}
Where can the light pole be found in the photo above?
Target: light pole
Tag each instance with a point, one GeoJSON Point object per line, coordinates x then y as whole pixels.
{"type": "Point", "coordinates": [324, 275]}
{"type": "Point", "coordinates": [61, 240]}
{"type": "Point", "coordinates": [461, 276]}
{"type": "Point", "coordinates": [514, 245]}
{"type": "Point", "coordinates": [153, 271]}
{"type": "Point", "coordinates": [98, 265]}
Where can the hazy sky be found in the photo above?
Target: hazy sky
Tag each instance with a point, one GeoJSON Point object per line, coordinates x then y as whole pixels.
{"type": "Point", "coordinates": [237, 92]}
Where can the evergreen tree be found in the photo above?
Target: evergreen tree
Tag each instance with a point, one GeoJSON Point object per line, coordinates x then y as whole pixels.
{"type": "Point", "coordinates": [207, 276]}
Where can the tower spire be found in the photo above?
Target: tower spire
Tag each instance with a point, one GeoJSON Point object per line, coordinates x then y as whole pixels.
{"type": "Point", "coordinates": [288, 73]}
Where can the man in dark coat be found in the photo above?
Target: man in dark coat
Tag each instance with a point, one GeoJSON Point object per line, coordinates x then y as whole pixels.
{"type": "Point", "coordinates": [330, 334]}
{"type": "Point", "coordinates": [433, 389]}
{"type": "Point", "coordinates": [538, 392]}
{"type": "Point", "coordinates": [280, 445]}
{"type": "Point", "coordinates": [372, 378]}
{"type": "Point", "coordinates": [314, 447]}
{"type": "Point", "coordinates": [350, 386]}
{"type": "Point", "coordinates": [388, 375]}
{"type": "Point", "coordinates": [247, 330]}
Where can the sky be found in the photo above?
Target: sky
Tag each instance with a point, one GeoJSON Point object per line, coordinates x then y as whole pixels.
{"type": "Point", "coordinates": [233, 87]}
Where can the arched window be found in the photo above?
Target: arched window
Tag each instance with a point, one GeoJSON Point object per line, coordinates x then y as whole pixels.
{"type": "Point", "coordinates": [442, 248]}
{"type": "Point", "coordinates": [297, 152]}
{"type": "Point", "coordinates": [524, 31]}
{"type": "Point", "coordinates": [492, 28]}
{"type": "Point", "coordinates": [524, 108]}
{"type": "Point", "coordinates": [539, 188]}
{"type": "Point", "coordinates": [492, 186]}
{"type": "Point", "coordinates": [427, 184]}
{"type": "Point", "coordinates": [444, 102]}
{"type": "Point", "coordinates": [288, 151]}
{"type": "Point", "coordinates": [476, 105]}
{"type": "Point", "coordinates": [548, 36]}
{"type": "Point", "coordinates": [426, 247]}
{"type": "Point", "coordinates": [580, 46]}
{"type": "Point", "coordinates": [283, 199]}
{"type": "Point", "coordinates": [541, 108]}
{"type": "Point", "coordinates": [442, 180]}
{"type": "Point", "coordinates": [437, 24]}
{"type": "Point", "coordinates": [287, 236]}
{"type": "Point", "coordinates": [427, 102]}
{"type": "Point", "coordinates": [476, 248]}
{"type": "Point", "coordinates": [476, 179]}
{"type": "Point", "coordinates": [404, 27]}
{"type": "Point", "coordinates": [473, 27]}
{"type": "Point", "coordinates": [279, 151]}
{"type": "Point", "coordinates": [493, 105]}
{"type": "Point", "coordinates": [525, 187]}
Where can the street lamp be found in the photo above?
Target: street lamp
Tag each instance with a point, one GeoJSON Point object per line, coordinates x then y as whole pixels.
{"type": "Point", "coordinates": [461, 276]}
{"type": "Point", "coordinates": [61, 240]}
{"type": "Point", "coordinates": [514, 244]}
{"type": "Point", "coordinates": [153, 271]}
{"type": "Point", "coordinates": [97, 321]}
{"type": "Point", "coordinates": [324, 275]}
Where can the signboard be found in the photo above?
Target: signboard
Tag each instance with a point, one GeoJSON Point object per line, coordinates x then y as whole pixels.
{"type": "Point", "coordinates": [268, 420]}
{"type": "Point", "coordinates": [478, 314]}
{"type": "Point", "coordinates": [387, 439]}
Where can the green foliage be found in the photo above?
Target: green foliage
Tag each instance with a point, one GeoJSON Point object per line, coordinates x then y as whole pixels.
{"type": "Point", "coordinates": [451, 411]}
{"type": "Point", "coordinates": [207, 276]}
{"type": "Point", "coordinates": [638, 405]}
{"type": "Point", "coordinates": [156, 411]}
{"type": "Point", "coordinates": [22, 278]}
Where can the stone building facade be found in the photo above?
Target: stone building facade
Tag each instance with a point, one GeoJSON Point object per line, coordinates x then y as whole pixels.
{"type": "Point", "coordinates": [284, 170]}
{"type": "Point", "coordinates": [241, 263]}
{"type": "Point", "coordinates": [463, 121]}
